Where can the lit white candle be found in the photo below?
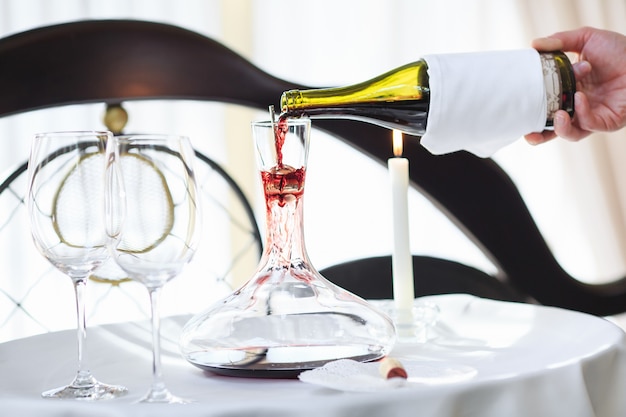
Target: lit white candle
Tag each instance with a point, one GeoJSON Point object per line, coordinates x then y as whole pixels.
{"type": "Point", "coordinates": [402, 262]}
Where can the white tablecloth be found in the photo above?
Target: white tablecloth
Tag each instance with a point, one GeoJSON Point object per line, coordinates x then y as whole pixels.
{"type": "Point", "coordinates": [528, 361]}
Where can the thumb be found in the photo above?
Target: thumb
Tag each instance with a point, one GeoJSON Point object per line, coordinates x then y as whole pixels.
{"type": "Point", "coordinates": [547, 44]}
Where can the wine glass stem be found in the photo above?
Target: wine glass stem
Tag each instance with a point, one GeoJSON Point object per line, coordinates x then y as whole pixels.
{"type": "Point", "coordinates": [157, 375]}
{"type": "Point", "coordinates": [83, 376]}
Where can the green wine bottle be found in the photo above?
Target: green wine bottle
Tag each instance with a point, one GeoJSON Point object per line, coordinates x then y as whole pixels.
{"type": "Point", "coordinates": [491, 90]}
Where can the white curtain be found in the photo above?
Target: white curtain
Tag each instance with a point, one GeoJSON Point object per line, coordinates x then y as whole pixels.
{"type": "Point", "coordinates": [576, 192]}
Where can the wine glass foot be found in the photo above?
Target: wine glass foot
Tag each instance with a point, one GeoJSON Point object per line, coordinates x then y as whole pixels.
{"type": "Point", "coordinates": [93, 392]}
{"type": "Point", "coordinates": [163, 396]}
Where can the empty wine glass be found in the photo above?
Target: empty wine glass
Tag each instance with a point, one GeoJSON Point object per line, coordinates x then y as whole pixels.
{"type": "Point", "coordinates": [153, 218]}
{"type": "Point", "coordinates": [66, 207]}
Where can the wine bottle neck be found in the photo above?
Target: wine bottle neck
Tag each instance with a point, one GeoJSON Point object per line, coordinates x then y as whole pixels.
{"type": "Point", "coordinates": [407, 83]}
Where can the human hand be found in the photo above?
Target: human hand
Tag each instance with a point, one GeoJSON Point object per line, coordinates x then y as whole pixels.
{"type": "Point", "coordinates": [600, 100]}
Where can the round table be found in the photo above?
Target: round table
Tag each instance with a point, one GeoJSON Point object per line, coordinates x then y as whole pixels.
{"type": "Point", "coordinates": [517, 360]}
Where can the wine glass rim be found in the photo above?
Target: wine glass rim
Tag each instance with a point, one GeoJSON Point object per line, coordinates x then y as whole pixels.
{"type": "Point", "coordinates": [153, 136]}
{"type": "Point", "coordinates": [67, 133]}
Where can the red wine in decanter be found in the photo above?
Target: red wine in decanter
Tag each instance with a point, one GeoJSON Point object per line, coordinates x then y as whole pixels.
{"type": "Point", "coordinates": [279, 183]}
{"type": "Point", "coordinates": [282, 180]}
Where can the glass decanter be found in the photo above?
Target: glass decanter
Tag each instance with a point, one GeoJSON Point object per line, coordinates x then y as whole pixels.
{"type": "Point", "coordinates": [287, 318]}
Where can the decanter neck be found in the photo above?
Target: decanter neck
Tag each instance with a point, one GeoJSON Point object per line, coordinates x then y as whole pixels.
{"type": "Point", "coordinates": [284, 243]}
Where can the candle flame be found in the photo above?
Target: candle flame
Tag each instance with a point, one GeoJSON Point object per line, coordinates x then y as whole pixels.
{"type": "Point", "coordinates": [397, 143]}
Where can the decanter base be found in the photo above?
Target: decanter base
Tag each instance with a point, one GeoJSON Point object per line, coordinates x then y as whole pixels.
{"type": "Point", "coordinates": [274, 362]}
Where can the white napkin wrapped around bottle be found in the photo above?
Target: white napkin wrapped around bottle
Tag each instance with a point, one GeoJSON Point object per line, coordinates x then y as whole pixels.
{"type": "Point", "coordinates": [481, 102]}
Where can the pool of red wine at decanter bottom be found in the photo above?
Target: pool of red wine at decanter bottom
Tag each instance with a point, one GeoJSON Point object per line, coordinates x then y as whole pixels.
{"type": "Point", "coordinates": [257, 365]}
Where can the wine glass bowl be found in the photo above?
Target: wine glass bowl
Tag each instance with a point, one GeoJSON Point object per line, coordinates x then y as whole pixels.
{"type": "Point", "coordinates": [153, 220]}
{"type": "Point", "coordinates": [66, 209]}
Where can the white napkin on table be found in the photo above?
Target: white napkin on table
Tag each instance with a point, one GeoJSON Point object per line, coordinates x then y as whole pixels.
{"type": "Point", "coordinates": [481, 102]}
{"type": "Point", "coordinates": [350, 375]}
